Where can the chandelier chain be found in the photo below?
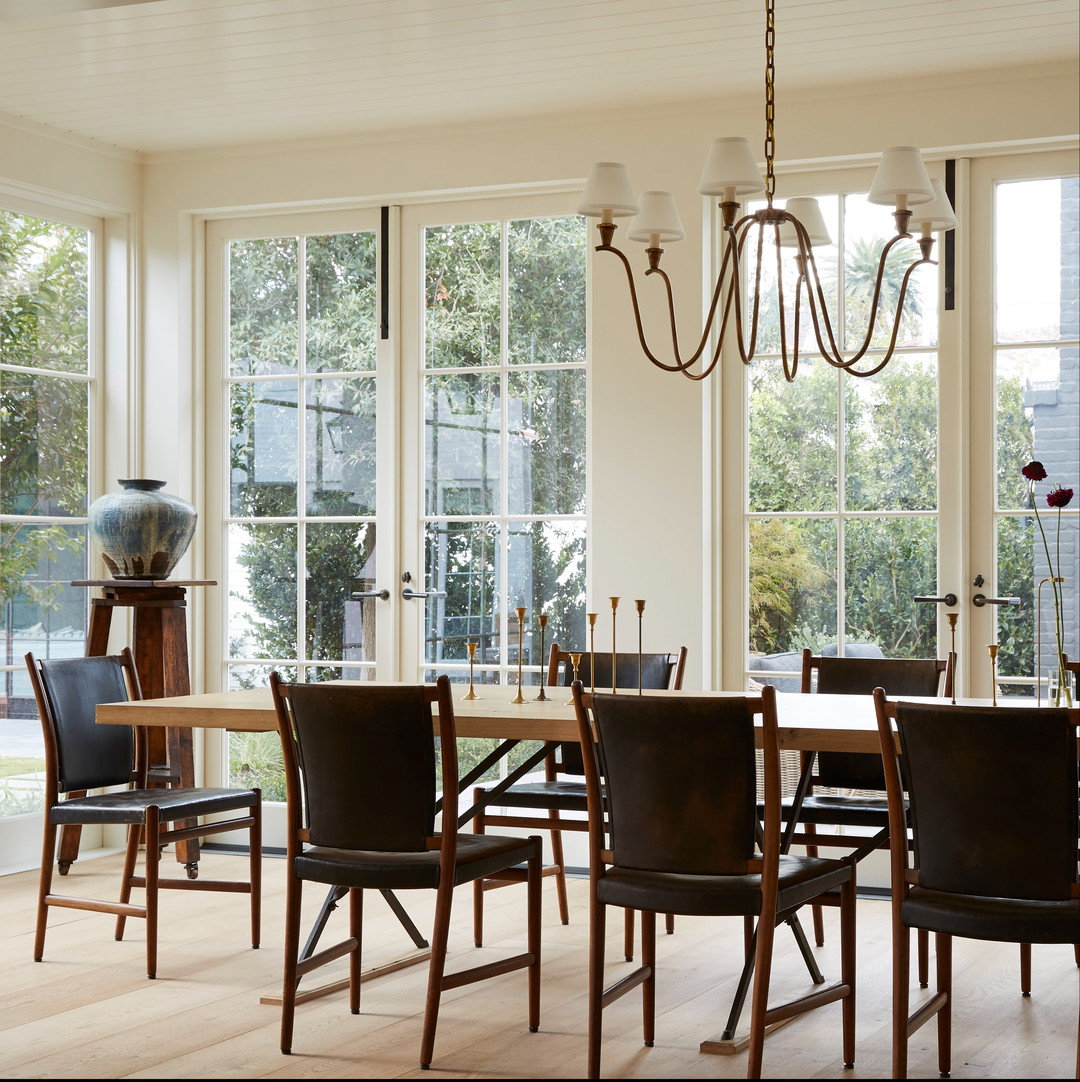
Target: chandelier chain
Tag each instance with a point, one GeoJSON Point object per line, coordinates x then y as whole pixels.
{"type": "Point", "coordinates": [770, 95]}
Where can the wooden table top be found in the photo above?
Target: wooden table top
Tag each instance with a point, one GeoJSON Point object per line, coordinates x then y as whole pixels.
{"type": "Point", "coordinates": [806, 722]}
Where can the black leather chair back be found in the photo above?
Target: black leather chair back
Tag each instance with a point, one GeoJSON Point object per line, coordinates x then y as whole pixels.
{"type": "Point", "coordinates": [366, 757]}
{"type": "Point", "coordinates": [658, 672]}
{"type": "Point", "coordinates": [994, 799]}
{"type": "Point", "coordinates": [919, 677]}
{"type": "Point", "coordinates": [680, 780]}
{"type": "Point", "coordinates": [88, 755]}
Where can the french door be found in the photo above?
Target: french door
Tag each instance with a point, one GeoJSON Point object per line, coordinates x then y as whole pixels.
{"type": "Point", "coordinates": [862, 495]}
{"type": "Point", "coordinates": [398, 400]}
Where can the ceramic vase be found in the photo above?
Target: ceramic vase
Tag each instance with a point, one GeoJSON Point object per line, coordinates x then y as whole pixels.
{"type": "Point", "coordinates": [141, 531]}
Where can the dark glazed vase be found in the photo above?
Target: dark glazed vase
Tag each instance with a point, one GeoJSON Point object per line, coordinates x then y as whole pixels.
{"type": "Point", "coordinates": [142, 532]}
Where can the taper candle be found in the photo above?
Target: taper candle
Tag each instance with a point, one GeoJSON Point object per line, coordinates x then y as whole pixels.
{"type": "Point", "coordinates": [640, 606]}
{"type": "Point", "coordinates": [614, 605]}
{"type": "Point", "coordinates": [592, 649]}
{"type": "Point", "coordinates": [519, 698]}
{"type": "Point", "coordinates": [472, 658]}
{"type": "Point", "coordinates": [542, 620]}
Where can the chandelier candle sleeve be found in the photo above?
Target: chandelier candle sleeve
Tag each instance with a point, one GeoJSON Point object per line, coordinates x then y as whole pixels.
{"type": "Point", "coordinates": [731, 172]}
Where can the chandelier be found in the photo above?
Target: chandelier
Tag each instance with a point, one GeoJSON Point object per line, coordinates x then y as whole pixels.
{"type": "Point", "coordinates": [731, 172]}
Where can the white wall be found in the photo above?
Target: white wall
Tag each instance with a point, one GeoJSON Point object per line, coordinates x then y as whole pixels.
{"type": "Point", "coordinates": [650, 524]}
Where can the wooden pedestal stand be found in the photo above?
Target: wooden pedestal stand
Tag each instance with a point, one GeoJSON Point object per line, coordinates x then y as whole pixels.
{"type": "Point", "coordinates": [159, 644]}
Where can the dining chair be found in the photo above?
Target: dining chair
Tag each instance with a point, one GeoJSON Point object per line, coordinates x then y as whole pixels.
{"type": "Point", "coordinates": [979, 866]}
{"type": "Point", "coordinates": [563, 788]}
{"type": "Point", "coordinates": [854, 782]}
{"type": "Point", "coordinates": [83, 758]}
{"type": "Point", "coordinates": [674, 828]}
{"type": "Point", "coordinates": [361, 809]}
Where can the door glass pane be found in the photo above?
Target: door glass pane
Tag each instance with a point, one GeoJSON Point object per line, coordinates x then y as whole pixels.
{"type": "Point", "coordinates": [890, 438]}
{"type": "Point", "coordinates": [263, 306]}
{"type": "Point", "coordinates": [1037, 381]}
{"type": "Point", "coordinates": [504, 448]}
{"type": "Point", "coordinates": [46, 327]}
{"type": "Point", "coordinates": [463, 295]}
{"type": "Point", "coordinates": [463, 442]}
{"type": "Point", "coordinates": [861, 450]}
{"type": "Point", "coordinates": [301, 532]}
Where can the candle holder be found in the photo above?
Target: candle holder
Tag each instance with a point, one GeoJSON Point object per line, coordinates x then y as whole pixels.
{"type": "Point", "coordinates": [519, 698]}
{"type": "Point", "coordinates": [542, 620]}
{"type": "Point", "coordinates": [592, 649]}
{"type": "Point", "coordinates": [575, 661]}
{"type": "Point", "coordinates": [951, 617]}
{"type": "Point", "coordinates": [640, 606]}
{"type": "Point", "coordinates": [993, 650]}
{"type": "Point", "coordinates": [614, 605]}
{"type": "Point", "coordinates": [472, 658]}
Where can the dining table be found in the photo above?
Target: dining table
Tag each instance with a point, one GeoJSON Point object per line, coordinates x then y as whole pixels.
{"type": "Point", "coordinates": [844, 723]}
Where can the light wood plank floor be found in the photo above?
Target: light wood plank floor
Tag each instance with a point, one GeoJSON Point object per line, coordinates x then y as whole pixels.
{"type": "Point", "coordinates": [89, 1011]}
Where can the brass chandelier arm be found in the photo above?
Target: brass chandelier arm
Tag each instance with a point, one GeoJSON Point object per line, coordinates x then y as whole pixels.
{"type": "Point", "coordinates": [820, 313]}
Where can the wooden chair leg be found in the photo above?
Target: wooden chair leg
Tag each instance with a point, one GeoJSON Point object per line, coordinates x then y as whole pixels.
{"type": "Point", "coordinates": [533, 931]}
{"type": "Point", "coordinates": [560, 875]}
{"type": "Point", "coordinates": [1025, 969]}
{"type": "Point", "coordinates": [669, 924]}
{"type": "Point", "coordinates": [597, 932]}
{"type": "Point", "coordinates": [759, 1001]}
{"type": "Point", "coordinates": [436, 971]}
{"type": "Point", "coordinates": [848, 970]}
{"type": "Point", "coordinates": [923, 944]}
{"type": "Point", "coordinates": [628, 935]}
{"type": "Point", "coordinates": [479, 825]}
{"type": "Point", "coordinates": [901, 965]}
{"type": "Point", "coordinates": [131, 857]}
{"type": "Point", "coordinates": [48, 852]}
{"type": "Point", "coordinates": [943, 945]}
{"type": "Point", "coordinates": [356, 931]}
{"type": "Point", "coordinates": [255, 875]}
{"type": "Point", "coordinates": [648, 986]}
{"type": "Point", "coordinates": [293, 898]}
{"type": "Point", "coordinates": [153, 866]}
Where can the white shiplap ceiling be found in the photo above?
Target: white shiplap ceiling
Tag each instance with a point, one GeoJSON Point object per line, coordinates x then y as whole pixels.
{"type": "Point", "coordinates": [166, 75]}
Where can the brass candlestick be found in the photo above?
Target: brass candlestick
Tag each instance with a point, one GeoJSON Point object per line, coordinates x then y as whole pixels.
{"type": "Point", "coordinates": [640, 606]}
{"type": "Point", "coordinates": [592, 650]}
{"type": "Point", "coordinates": [951, 617]}
{"type": "Point", "coordinates": [614, 605]}
{"type": "Point", "coordinates": [472, 658]}
{"type": "Point", "coordinates": [992, 648]}
{"type": "Point", "coordinates": [575, 660]}
{"type": "Point", "coordinates": [519, 698]}
{"type": "Point", "coordinates": [542, 621]}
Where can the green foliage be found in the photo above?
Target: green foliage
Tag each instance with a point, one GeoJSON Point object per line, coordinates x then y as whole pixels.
{"type": "Point", "coordinates": [43, 416]}
{"type": "Point", "coordinates": [255, 759]}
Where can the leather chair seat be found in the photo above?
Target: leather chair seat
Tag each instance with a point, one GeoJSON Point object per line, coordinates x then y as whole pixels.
{"type": "Point", "coordinates": [556, 795]}
{"type": "Point", "coordinates": [801, 878]}
{"type": "Point", "coordinates": [477, 855]}
{"type": "Point", "coordinates": [130, 806]}
{"type": "Point", "coordinates": [1002, 920]}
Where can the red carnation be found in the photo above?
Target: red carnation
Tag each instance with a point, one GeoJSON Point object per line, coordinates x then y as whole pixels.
{"type": "Point", "coordinates": [1034, 471]}
{"type": "Point", "coordinates": [1059, 497]}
